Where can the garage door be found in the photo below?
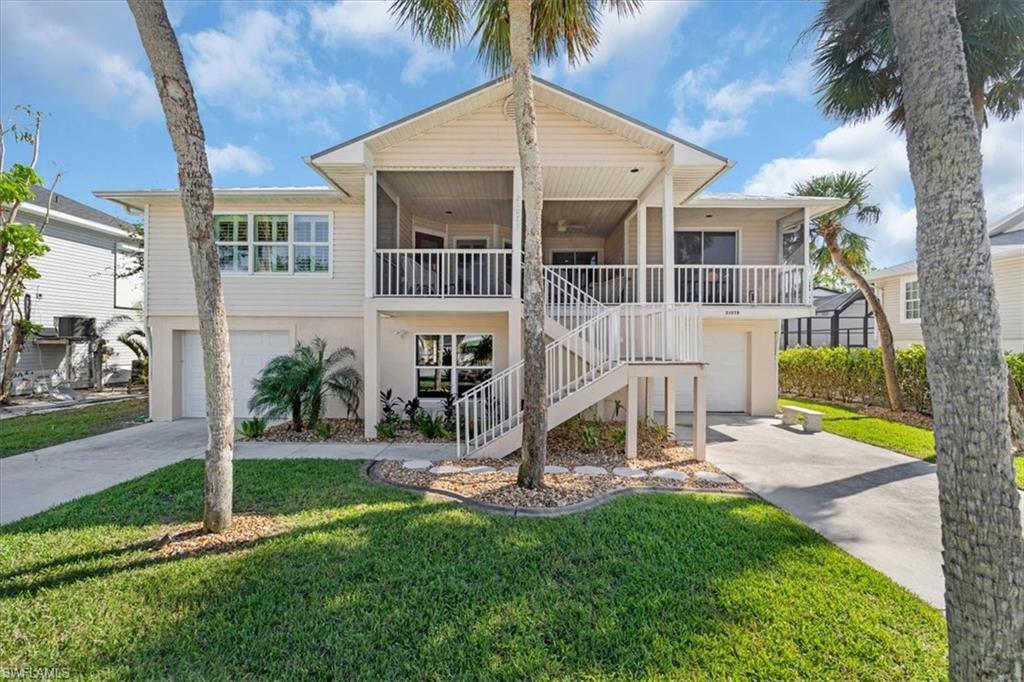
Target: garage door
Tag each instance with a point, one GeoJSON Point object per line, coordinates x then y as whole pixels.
{"type": "Point", "coordinates": [250, 352]}
{"type": "Point", "coordinates": [727, 357]}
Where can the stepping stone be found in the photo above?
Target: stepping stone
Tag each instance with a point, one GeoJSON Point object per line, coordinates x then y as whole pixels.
{"type": "Point", "coordinates": [712, 477]}
{"type": "Point", "coordinates": [417, 464]}
{"type": "Point", "coordinates": [671, 474]}
{"type": "Point", "coordinates": [591, 471]}
{"type": "Point", "coordinates": [446, 469]}
{"type": "Point", "coordinates": [552, 469]}
{"type": "Point", "coordinates": [629, 472]}
{"type": "Point", "coordinates": [480, 469]}
{"type": "Point", "coordinates": [512, 469]}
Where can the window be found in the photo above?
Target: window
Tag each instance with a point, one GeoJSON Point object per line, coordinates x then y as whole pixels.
{"type": "Point", "coordinates": [911, 300]}
{"type": "Point", "coordinates": [452, 363]}
{"type": "Point", "coordinates": [278, 243]}
{"type": "Point", "coordinates": [574, 257]}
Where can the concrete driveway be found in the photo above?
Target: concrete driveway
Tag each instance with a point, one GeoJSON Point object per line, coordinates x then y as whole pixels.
{"type": "Point", "coordinates": [878, 505]}
{"type": "Point", "coordinates": [35, 481]}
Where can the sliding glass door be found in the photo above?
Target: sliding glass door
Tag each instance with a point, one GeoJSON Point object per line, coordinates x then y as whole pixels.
{"type": "Point", "coordinates": [708, 284]}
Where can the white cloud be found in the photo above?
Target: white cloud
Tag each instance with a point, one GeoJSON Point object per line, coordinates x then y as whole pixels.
{"type": "Point", "coordinates": [370, 26]}
{"type": "Point", "coordinates": [257, 66]}
{"type": "Point", "coordinates": [231, 158]}
{"type": "Point", "coordinates": [724, 109]}
{"type": "Point", "coordinates": [871, 146]}
{"type": "Point", "coordinates": [90, 50]}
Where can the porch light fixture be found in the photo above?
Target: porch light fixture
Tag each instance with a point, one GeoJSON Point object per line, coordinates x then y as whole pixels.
{"type": "Point", "coordinates": [448, 213]}
{"type": "Point", "coordinates": [634, 170]}
{"type": "Point", "coordinates": [709, 215]}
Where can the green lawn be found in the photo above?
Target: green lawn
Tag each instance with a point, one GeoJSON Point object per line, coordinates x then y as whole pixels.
{"type": "Point", "coordinates": [844, 421]}
{"type": "Point", "coordinates": [22, 434]}
{"type": "Point", "coordinates": [910, 440]}
{"type": "Point", "coordinates": [374, 583]}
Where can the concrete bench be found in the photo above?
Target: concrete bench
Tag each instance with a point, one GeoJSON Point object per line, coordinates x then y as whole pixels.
{"type": "Point", "coordinates": [812, 420]}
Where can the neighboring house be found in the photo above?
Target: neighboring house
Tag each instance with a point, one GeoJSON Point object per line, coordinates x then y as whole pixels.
{"type": "Point", "coordinates": [901, 295]}
{"type": "Point", "coordinates": [841, 318]}
{"type": "Point", "coordinates": [412, 257]}
{"type": "Point", "coordinates": [87, 249]}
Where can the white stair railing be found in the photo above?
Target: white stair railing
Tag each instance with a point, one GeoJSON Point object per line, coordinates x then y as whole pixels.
{"type": "Point", "coordinates": [640, 333]}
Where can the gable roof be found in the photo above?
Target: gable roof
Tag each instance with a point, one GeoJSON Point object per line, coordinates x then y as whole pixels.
{"type": "Point", "coordinates": [66, 210]}
{"type": "Point", "coordinates": [1011, 223]}
{"type": "Point", "coordinates": [545, 91]}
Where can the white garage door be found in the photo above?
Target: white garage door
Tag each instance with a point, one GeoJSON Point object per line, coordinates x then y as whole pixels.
{"type": "Point", "coordinates": [727, 358]}
{"type": "Point", "coordinates": [250, 352]}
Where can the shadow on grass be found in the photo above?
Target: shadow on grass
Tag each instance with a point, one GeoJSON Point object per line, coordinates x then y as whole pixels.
{"type": "Point", "coordinates": [374, 583]}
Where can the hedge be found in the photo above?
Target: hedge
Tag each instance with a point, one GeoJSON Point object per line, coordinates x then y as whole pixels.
{"type": "Point", "coordinates": [854, 375]}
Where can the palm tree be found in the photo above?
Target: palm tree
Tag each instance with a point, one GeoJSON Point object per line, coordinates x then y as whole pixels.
{"type": "Point", "coordinates": [846, 251]}
{"type": "Point", "coordinates": [983, 544]}
{"type": "Point", "coordinates": [511, 35]}
{"type": "Point", "coordinates": [189, 141]}
{"type": "Point", "coordinates": [279, 390]}
{"type": "Point", "coordinates": [321, 374]}
{"type": "Point", "coordinates": [859, 75]}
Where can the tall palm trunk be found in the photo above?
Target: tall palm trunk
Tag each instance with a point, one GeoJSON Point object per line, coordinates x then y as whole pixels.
{"type": "Point", "coordinates": [885, 340]}
{"type": "Point", "coordinates": [535, 414]}
{"type": "Point", "coordinates": [980, 506]}
{"type": "Point", "coordinates": [186, 130]}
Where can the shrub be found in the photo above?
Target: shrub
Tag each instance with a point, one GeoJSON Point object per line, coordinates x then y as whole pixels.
{"type": "Point", "coordinates": [448, 411]}
{"type": "Point", "coordinates": [387, 429]}
{"type": "Point", "coordinates": [253, 428]}
{"type": "Point", "coordinates": [388, 402]}
{"type": "Point", "coordinates": [323, 430]}
{"type": "Point", "coordinates": [855, 375]}
{"type": "Point", "coordinates": [589, 435]}
{"type": "Point", "coordinates": [412, 410]}
{"type": "Point", "coordinates": [431, 426]}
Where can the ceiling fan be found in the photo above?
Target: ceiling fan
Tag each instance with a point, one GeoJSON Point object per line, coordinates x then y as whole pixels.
{"type": "Point", "coordinates": [564, 225]}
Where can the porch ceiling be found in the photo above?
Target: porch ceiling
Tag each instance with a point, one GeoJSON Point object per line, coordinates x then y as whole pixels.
{"type": "Point", "coordinates": [595, 218]}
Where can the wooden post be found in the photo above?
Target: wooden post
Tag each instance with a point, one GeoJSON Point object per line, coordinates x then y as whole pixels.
{"type": "Point", "coordinates": [517, 232]}
{"type": "Point", "coordinates": [371, 373]}
{"type": "Point", "coordinates": [370, 232]}
{"type": "Point", "coordinates": [670, 404]}
{"type": "Point", "coordinates": [641, 252]}
{"type": "Point", "coordinates": [700, 417]}
{"type": "Point", "coordinates": [668, 229]}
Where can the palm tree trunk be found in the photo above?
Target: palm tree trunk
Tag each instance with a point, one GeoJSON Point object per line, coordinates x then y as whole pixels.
{"type": "Point", "coordinates": [296, 416]}
{"type": "Point", "coordinates": [885, 341]}
{"type": "Point", "coordinates": [983, 545]}
{"type": "Point", "coordinates": [535, 413]}
{"type": "Point", "coordinates": [188, 139]}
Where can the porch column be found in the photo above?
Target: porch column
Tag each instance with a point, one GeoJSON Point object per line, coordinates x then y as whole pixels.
{"type": "Point", "coordinates": [632, 416]}
{"type": "Point", "coordinates": [668, 230]}
{"type": "Point", "coordinates": [641, 251]}
{"type": "Point", "coordinates": [517, 232]}
{"type": "Point", "coordinates": [370, 231]}
{"type": "Point", "coordinates": [515, 334]}
{"type": "Point", "coordinates": [807, 256]}
{"type": "Point", "coordinates": [700, 416]}
{"type": "Point", "coordinates": [649, 398]}
{"type": "Point", "coordinates": [371, 372]}
{"type": "Point", "coordinates": [670, 404]}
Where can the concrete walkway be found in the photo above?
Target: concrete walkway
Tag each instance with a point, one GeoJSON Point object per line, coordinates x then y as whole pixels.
{"type": "Point", "coordinates": [35, 481]}
{"type": "Point", "coordinates": [878, 505]}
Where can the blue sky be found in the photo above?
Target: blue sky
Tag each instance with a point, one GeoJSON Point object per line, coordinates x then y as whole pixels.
{"type": "Point", "coordinates": [278, 81]}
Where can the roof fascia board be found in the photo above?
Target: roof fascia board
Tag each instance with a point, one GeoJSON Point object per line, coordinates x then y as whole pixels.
{"type": "Point", "coordinates": [75, 221]}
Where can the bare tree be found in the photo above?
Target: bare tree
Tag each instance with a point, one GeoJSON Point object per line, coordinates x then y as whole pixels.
{"type": "Point", "coordinates": [980, 506]}
{"type": "Point", "coordinates": [189, 141]}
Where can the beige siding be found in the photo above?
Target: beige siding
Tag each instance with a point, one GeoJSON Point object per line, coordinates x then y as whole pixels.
{"type": "Point", "coordinates": [758, 235]}
{"type": "Point", "coordinates": [170, 281]}
{"type": "Point", "coordinates": [573, 240]}
{"type": "Point", "coordinates": [1009, 280]}
{"type": "Point", "coordinates": [486, 139]}
{"type": "Point", "coordinates": [404, 227]}
{"type": "Point", "coordinates": [613, 245]}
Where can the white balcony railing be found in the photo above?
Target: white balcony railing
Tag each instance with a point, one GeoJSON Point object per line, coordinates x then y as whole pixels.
{"type": "Point", "coordinates": [609, 284]}
{"type": "Point", "coordinates": [779, 285]}
{"type": "Point", "coordinates": [440, 273]}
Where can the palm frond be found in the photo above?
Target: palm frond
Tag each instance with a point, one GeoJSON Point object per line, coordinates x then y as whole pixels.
{"type": "Point", "coordinates": [436, 22]}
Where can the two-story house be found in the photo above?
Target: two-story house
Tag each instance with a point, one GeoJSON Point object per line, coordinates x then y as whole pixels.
{"type": "Point", "coordinates": [658, 294]}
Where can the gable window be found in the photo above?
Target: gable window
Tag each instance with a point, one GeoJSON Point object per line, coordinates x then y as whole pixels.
{"type": "Point", "coordinates": [911, 300]}
{"type": "Point", "coordinates": [452, 363]}
{"type": "Point", "coordinates": [274, 243]}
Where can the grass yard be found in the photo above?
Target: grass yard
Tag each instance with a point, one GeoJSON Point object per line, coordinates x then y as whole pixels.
{"type": "Point", "coordinates": [844, 421]}
{"type": "Point", "coordinates": [22, 434]}
{"type": "Point", "coordinates": [910, 440]}
{"type": "Point", "coordinates": [373, 583]}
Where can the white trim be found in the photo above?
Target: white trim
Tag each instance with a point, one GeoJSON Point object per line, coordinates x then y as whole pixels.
{"type": "Point", "coordinates": [903, 300]}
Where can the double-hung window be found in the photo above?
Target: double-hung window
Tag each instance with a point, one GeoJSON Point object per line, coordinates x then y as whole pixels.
{"type": "Point", "coordinates": [452, 363]}
{"type": "Point", "coordinates": [274, 243]}
{"type": "Point", "coordinates": [911, 300]}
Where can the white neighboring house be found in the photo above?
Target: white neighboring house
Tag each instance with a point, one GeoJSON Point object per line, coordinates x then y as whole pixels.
{"type": "Point", "coordinates": [901, 295]}
{"type": "Point", "coordinates": [411, 255]}
{"type": "Point", "coordinates": [87, 248]}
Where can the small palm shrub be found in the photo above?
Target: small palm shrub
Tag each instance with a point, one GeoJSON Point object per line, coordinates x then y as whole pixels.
{"type": "Point", "coordinates": [323, 430]}
{"type": "Point", "coordinates": [278, 391]}
{"type": "Point", "coordinates": [253, 428]}
{"type": "Point", "coordinates": [387, 429]}
{"type": "Point", "coordinates": [590, 435]}
{"type": "Point", "coordinates": [431, 426]}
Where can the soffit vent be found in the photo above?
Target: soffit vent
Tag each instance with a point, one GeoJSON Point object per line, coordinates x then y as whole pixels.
{"type": "Point", "coordinates": [509, 108]}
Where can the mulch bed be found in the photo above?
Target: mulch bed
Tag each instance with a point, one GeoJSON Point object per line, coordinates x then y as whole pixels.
{"type": "Point", "coordinates": [191, 540]}
{"type": "Point", "coordinates": [562, 489]}
{"type": "Point", "coordinates": [342, 431]}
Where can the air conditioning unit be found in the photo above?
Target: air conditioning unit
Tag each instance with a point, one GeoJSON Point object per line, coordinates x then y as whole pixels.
{"type": "Point", "coordinates": [75, 327]}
